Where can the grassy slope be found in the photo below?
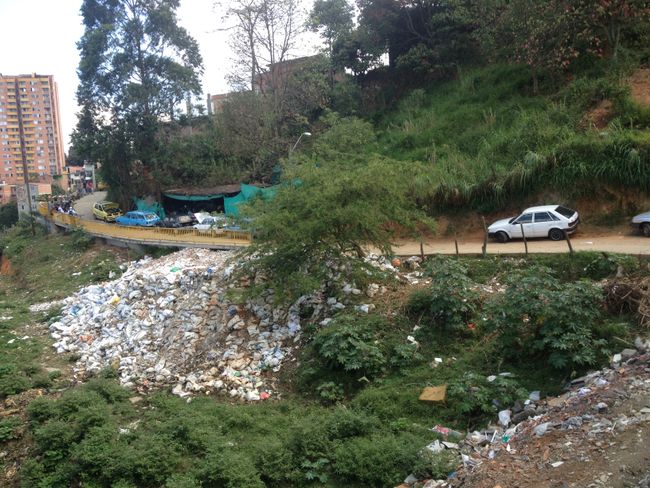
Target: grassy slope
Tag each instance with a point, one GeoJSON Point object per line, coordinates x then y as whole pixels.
{"type": "Point", "coordinates": [486, 139]}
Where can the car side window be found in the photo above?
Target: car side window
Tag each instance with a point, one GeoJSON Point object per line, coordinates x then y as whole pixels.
{"type": "Point", "coordinates": [542, 217]}
{"type": "Point", "coordinates": [525, 219]}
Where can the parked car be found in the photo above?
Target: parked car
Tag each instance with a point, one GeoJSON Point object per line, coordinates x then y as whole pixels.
{"type": "Point", "coordinates": [106, 211]}
{"type": "Point", "coordinates": [139, 218]}
{"type": "Point", "coordinates": [642, 222]}
{"type": "Point", "coordinates": [550, 221]}
{"type": "Point", "coordinates": [209, 222]}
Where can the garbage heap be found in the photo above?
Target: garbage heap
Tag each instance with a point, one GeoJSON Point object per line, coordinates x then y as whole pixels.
{"type": "Point", "coordinates": [169, 322]}
{"type": "Point", "coordinates": [588, 436]}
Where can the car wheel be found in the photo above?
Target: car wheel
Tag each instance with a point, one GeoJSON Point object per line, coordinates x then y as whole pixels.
{"type": "Point", "coordinates": [502, 237]}
{"type": "Point", "coordinates": [645, 229]}
{"type": "Point", "coordinates": [556, 235]}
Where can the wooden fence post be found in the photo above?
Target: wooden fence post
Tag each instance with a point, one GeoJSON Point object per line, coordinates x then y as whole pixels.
{"type": "Point", "coordinates": [421, 251]}
{"type": "Point", "coordinates": [568, 241]}
{"type": "Point", "coordinates": [485, 237]}
{"type": "Point", "coordinates": [523, 234]}
{"type": "Point", "coordinates": [456, 244]}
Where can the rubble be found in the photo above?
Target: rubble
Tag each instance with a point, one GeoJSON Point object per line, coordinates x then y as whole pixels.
{"type": "Point", "coordinates": [576, 426]}
{"type": "Point", "coordinates": [169, 322]}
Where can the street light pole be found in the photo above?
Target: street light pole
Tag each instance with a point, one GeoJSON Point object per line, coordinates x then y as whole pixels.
{"type": "Point", "coordinates": [308, 134]}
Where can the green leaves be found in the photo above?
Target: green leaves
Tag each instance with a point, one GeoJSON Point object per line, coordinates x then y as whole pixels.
{"type": "Point", "coordinates": [538, 314]}
{"type": "Point", "coordinates": [350, 344]}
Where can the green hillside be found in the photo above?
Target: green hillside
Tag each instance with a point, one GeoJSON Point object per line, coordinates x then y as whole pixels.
{"type": "Point", "coordinates": [486, 138]}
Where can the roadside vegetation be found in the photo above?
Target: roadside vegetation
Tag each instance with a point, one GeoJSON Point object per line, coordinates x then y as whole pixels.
{"type": "Point", "coordinates": [348, 410]}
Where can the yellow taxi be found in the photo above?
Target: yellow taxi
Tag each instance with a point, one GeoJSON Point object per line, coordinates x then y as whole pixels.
{"type": "Point", "coordinates": [106, 211]}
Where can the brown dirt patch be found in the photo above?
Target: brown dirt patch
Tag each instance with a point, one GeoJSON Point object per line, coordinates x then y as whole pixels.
{"type": "Point", "coordinates": [640, 86]}
{"type": "Point", "coordinates": [6, 269]}
{"type": "Point", "coordinates": [600, 116]}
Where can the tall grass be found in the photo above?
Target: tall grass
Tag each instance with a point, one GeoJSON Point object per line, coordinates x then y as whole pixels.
{"type": "Point", "coordinates": [486, 139]}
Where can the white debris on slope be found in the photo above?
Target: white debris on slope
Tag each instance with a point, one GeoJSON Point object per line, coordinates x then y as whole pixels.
{"type": "Point", "coordinates": [168, 322]}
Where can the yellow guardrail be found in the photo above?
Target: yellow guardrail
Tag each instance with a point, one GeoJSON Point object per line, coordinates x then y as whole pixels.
{"type": "Point", "coordinates": [217, 238]}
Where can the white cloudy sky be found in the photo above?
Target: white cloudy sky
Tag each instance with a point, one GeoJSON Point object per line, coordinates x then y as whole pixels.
{"type": "Point", "coordinates": [49, 30]}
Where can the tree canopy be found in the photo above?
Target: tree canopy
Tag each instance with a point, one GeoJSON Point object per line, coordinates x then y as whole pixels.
{"type": "Point", "coordinates": [137, 64]}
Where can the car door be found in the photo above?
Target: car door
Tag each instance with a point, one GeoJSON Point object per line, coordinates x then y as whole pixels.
{"type": "Point", "coordinates": [543, 222]}
{"type": "Point", "coordinates": [526, 220]}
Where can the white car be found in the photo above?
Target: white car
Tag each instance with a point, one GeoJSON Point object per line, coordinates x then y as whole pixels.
{"type": "Point", "coordinates": [642, 223]}
{"type": "Point", "coordinates": [550, 221]}
{"type": "Point", "coordinates": [209, 222]}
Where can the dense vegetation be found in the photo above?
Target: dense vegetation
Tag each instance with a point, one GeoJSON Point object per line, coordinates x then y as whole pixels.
{"type": "Point", "coordinates": [347, 412]}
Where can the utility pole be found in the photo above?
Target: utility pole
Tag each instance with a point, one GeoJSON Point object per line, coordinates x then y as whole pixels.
{"type": "Point", "coordinates": [23, 151]}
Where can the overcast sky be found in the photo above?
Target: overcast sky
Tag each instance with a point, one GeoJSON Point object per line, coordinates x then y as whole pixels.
{"type": "Point", "coordinates": [48, 31]}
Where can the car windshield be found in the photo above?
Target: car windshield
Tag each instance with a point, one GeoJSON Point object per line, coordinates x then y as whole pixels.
{"type": "Point", "coordinates": [151, 216]}
{"type": "Point", "coordinates": [566, 212]}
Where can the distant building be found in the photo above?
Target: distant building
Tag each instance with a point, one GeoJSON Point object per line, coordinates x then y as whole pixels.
{"type": "Point", "coordinates": [280, 72]}
{"type": "Point", "coordinates": [30, 103]}
{"type": "Point", "coordinates": [216, 102]}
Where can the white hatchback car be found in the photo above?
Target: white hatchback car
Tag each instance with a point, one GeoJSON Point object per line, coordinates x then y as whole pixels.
{"type": "Point", "coordinates": [550, 221]}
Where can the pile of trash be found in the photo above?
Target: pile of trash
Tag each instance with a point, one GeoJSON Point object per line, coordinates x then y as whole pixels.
{"type": "Point", "coordinates": [538, 442]}
{"type": "Point", "coordinates": [170, 322]}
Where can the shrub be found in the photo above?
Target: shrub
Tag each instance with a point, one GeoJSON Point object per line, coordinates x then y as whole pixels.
{"type": "Point", "coordinates": [81, 240]}
{"type": "Point", "coordinates": [475, 396]}
{"type": "Point", "coordinates": [539, 314]}
{"type": "Point", "coordinates": [379, 460]}
{"type": "Point", "coordinates": [404, 355]}
{"type": "Point", "coordinates": [436, 465]}
{"type": "Point", "coordinates": [8, 428]}
{"type": "Point", "coordinates": [330, 392]}
{"type": "Point", "coordinates": [351, 344]}
{"type": "Point", "coordinates": [451, 300]}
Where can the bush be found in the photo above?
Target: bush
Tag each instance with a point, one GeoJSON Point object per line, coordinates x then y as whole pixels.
{"type": "Point", "coordinates": [8, 429]}
{"type": "Point", "coordinates": [350, 344]}
{"type": "Point", "coordinates": [81, 240]}
{"type": "Point", "coordinates": [436, 465]}
{"type": "Point", "coordinates": [379, 460]}
{"type": "Point", "coordinates": [330, 392]}
{"type": "Point", "coordinates": [451, 300]}
{"type": "Point", "coordinates": [539, 314]}
{"type": "Point", "coordinates": [475, 397]}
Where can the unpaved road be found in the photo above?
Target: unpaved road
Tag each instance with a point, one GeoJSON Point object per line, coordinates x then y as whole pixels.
{"type": "Point", "coordinates": [619, 243]}
{"type": "Point", "coordinates": [583, 241]}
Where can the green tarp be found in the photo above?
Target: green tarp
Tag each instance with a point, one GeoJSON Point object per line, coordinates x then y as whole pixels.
{"type": "Point", "coordinates": [230, 204]}
{"type": "Point", "coordinates": [155, 207]}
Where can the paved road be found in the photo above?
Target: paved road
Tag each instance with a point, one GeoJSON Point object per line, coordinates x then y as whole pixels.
{"type": "Point", "coordinates": [84, 206]}
{"type": "Point", "coordinates": [628, 244]}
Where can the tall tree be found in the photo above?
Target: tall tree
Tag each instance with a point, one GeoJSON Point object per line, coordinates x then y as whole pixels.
{"type": "Point", "coordinates": [137, 65]}
{"type": "Point", "coordinates": [263, 35]}
{"type": "Point", "coordinates": [332, 18]}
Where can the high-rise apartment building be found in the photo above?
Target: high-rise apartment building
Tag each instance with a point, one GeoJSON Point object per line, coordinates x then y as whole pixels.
{"type": "Point", "coordinates": [29, 120]}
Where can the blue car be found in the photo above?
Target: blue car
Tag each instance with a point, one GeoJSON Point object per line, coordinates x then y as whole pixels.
{"type": "Point", "coordinates": [139, 218]}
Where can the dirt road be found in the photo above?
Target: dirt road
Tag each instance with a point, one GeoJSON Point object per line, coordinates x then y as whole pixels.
{"type": "Point", "coordinates": [619, 243]}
